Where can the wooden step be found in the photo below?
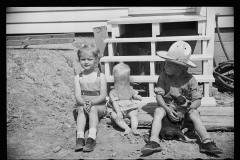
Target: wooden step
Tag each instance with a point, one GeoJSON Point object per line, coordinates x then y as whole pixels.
{"type": "Point", "coordinates": [153, 79]}
{"type": "Point", "coordinates": [156, 39]}
{"type": "Point", "coordinates": [195, 57]}
{"type": "Point", "coordinates": [157, 19]}
{"type": "Point", "coordinates": [214, 118]}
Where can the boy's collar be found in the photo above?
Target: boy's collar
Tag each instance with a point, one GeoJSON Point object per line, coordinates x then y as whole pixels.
{"type": "Point", "coordinates": [185, 73]}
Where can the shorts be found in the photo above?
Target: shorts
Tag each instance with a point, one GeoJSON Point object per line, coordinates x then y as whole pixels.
{"type": "Point", "coordinates": [76, 108]}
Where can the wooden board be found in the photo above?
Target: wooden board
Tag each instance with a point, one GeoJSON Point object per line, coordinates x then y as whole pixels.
{"type": "Point", "coordinates": [76, 27]}
{"type": "Point", "coordinates": [157, 19]}
{"type": "Point", "coordinates": [100, 33]}
{"type": "Point", "coordinates": [214, 118]}
{"type": "Point", "coordinates": [195, 57]}
{"type": "Point", "coordinates": [39, 41]}
{"type": "Point", "coordinates": [156, 39]}
{"type": "Point", "coordinates": [137, 11]}
{"type": "Point", "coordinates": [45, 36]}
{"type": "Point", "coordinates": [65, 16]}
{"type": "Point", "coordinates": [153, 79]}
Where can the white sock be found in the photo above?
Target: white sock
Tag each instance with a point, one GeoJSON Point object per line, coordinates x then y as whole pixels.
{"type": "Point", "coordinates": [80, 134]}
{"type": "Point", "coordinates": [92, 133]}
{"type": "Point", "coordinates": [155, 139]}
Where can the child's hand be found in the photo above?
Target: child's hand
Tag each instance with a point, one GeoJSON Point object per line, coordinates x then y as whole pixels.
{"type": "Point", "coordinates": [137, 97]}
{"type": "Point", "coordinates": [180, 115]}
{"type": "Point", "coordinates": [87, 106]}
{"type": "Point", "coordinates": [172, 115]}
{"type": "Point", "coordinates": [119, 117]}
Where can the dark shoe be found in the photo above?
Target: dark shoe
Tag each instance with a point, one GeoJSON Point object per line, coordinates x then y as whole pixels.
{"type": "Point", "coordinates": [90, 144]}
{"type": "Point", "coordinates": [151, 147]}
{"type": "Point", "coordinates": [210, 147]}
{"type": "Point", "coordinates": [79, 144]}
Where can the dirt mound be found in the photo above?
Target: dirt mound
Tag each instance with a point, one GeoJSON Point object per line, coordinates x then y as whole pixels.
{"type": "Point", "coordinates": [40, 95]}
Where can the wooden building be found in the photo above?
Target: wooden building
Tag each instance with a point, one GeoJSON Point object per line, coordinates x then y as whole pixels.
{"type": "Point", "coordinates": [46, 20]}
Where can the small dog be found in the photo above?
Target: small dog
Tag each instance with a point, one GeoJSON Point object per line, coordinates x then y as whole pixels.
{"type": "Point", "coordinates": [171, 130]}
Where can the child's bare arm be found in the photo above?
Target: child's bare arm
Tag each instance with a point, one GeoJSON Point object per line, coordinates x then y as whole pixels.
{"type": "Point", "coordinates": [195, 104]}
{"type": "Point", "coordinates": [103, 91]}
{"type": "Point", "coordinates": [137, 97]}
{"type": "Point", "coordinates": [77, 90]}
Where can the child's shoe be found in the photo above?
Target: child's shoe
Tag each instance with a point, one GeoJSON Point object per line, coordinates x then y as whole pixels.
{"type": "Point", "coordinates": [210, 147]}
{"type": "Point", "coordinates": [80, 142]}
{"type": "Point", "coordinates": [151, 147]}
{"type": "Point", "coordinates": [90, 144]}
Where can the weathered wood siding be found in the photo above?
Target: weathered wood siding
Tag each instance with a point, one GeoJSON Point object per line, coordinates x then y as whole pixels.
{"type": "Point", "coordinates": [36, 20]}
{"type": "Point", "coordinates": [31, 20]}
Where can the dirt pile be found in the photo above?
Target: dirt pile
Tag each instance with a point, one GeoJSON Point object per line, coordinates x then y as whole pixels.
{"type": "Point", "coordinates": [40, 95]}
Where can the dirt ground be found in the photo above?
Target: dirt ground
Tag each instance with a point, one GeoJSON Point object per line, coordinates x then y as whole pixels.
{"type": "Point", "coordinates": [40, 123]}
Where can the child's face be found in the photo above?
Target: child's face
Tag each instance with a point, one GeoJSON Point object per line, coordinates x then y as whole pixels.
{"type": "Point", "coordinates": [87, 61]}
{"type": "Point", "coordinates": [171, 68]}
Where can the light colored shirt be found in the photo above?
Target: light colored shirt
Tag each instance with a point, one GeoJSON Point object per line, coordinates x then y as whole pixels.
{"type": "Point", "coordinates": [185, 85]}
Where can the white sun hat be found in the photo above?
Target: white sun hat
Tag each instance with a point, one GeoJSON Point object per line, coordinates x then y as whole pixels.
{"type": "Point", "coordinates": [179, 53]}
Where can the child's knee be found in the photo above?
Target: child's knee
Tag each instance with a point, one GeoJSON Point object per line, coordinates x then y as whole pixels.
{"type": "Point", "coordinates": [80, 110]}
{"type": "Point", "coordinates": [159, 111]}
{"type": "Point", "coordinates": [93, 109]}
{"type": "Point", "coordinates": [193, 114]}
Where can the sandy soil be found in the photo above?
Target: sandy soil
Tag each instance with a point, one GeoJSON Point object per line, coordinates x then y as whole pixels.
{"type": "Point", "coordinates": [40, 123]}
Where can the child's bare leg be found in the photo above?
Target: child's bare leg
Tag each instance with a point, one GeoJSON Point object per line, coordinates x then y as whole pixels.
{"type": "Point", "coordinates": [121, 124]}
{"type": "Point", "coordinates": [134, 121]}
{"type": "Point", "coordinates": [159, 114]}
{"type": "Point", "coordinates": [194, 116]}
{"type": "Point", "coordinates": [94, 114]}
{"type": "Point", "coordinates": [81, 122]}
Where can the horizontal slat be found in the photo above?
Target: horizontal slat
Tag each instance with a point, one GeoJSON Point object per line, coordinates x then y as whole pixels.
{"type": "Point", "coordinates": [156, 39]}
{"type": "Point", "coordinates": [195, 57]}
{"type": "Point", "coordinates": [69, 16]}
{"type": "Point", "coordinates": [54, 27]}
{"type": "Point", "coordinates": [48, 9]}
{"type": "Point", "coordinates": [45, 36]}
{"type": "Point", "coordinates": [160, 11]}
{"type": "Point", "coordinates": [153, 79]}
{"type": "Point", "coordinates": [157, 19]}
{"type": "Point", "coordinates": [39, 41]}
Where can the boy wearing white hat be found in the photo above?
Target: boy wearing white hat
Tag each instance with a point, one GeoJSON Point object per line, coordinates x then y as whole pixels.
{"type": "Point", "coordinates": [176, 81]}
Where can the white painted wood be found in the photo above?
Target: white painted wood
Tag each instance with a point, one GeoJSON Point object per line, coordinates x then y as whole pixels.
{"type": "Point", "coordinates": [135, 11]}
{"type": "Point", "coordinates": [47, 9]}
{"type": "Point", "coordinates": [107, 69]}
{"type": "Point", "coordinates": [208, 101]}
{"type": "Point", "coordinates": [210, 30]}
{"type": "Point", "coordinates": [224, 10]}
{"type": "Point", "coordinates": [157, 19]}
{"type": "Point", "coordinates": [224, 22]}
{"type": "Point", "coordinates": [153, 79]}
{"type": "Point", "coordinates": [36, 28]}
{"type": "Point", "coordinates": [201, 11]}
{"type": "Point", "coordinates": [120, 30]}
{"type": "Point", "coordinates": [157, 39]}
{"type": "Point", "coordinates": [205, 102]}
{"type": "Point", "coordinates": [194, 57]}
{"type": "Point", "coordinates": [69, 16]}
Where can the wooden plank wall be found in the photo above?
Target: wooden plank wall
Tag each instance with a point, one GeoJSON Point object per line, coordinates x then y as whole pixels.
{"type": "Point", "coordinates": [37, 20]}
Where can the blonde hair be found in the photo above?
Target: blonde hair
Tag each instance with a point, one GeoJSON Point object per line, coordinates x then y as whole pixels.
{"type": "Point", "coordinates": [92, 49]}
{"type": "Point", "coordinates": [121, 71]}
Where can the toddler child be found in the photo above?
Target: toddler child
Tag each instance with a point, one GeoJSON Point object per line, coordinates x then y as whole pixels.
{"type": "Point", "coordinates": [122, 99]}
